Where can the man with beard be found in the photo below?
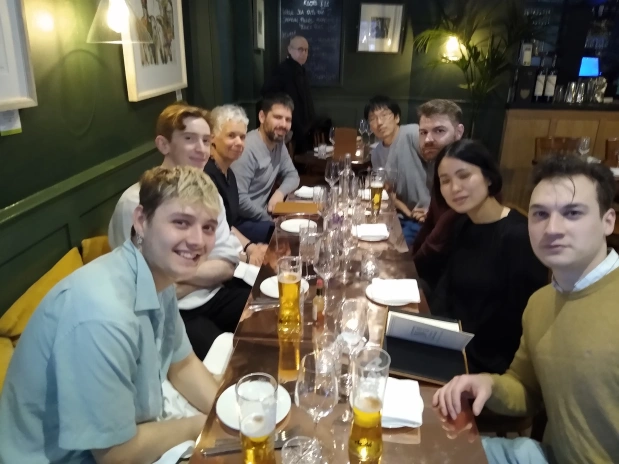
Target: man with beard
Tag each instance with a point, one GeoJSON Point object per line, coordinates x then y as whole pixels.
{"type": "Point", "coordinates": [398, 153]}
{"type": "Point", "coordinates": [440, 124]}
{"type": "Point", "coordinates": [265, 159]}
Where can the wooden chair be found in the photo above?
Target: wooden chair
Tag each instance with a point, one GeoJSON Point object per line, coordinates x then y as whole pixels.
{"type": "Point", "coordinates": [345, 142]}
{"type": "Point", "coordinates": [545, 146]}
{"type": "Point", "coordinates": [611, 158]}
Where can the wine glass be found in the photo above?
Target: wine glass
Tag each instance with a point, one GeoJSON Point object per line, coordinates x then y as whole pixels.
{"type": "Point", "coordinates": [332, 135]}
{"type": "Point", "coordinates": [349, 245]}
{"type": "Point", "coordinates": [327, 260]}
{"type": "Point", "coordinates": [316, 391]}
{"type": "Point", "coordinates": [584, 147]}
{"type": "Point", "coordinates": [308, 236]}
{"type": "Point", "coordinates": [332, 172]}
{"type": "Point", "coordinates": [319, 196]}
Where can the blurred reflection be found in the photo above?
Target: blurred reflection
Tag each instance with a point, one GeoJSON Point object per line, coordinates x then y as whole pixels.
{"type": "Point", "coordinates": [463, 425]}
{"type": "Point", "coordinates": [289, 355]}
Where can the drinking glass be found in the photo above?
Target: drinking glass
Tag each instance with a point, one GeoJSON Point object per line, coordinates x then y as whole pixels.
{"type": "Point", "coordinates": [256, 398]}
{"type": "Point", "coordinates": [308, 236]}
{"type": "Point", "coordinates": [289, 356]}
{"type": "Point", "coordinates": [580, 92]}
{"type": "Point", "coordinates": [349, 245]}
{"type": "Point", "coordinates": [352, 332]}
{"type": "Point", "coordinates": [289, 284]}
{"type": "Point", "coordinates": [322, 151]}
{"type": "Point", "coordinates": [559, 94]}
{"type": "Point", "coordinates": [327, 262]}
{"type": "Point", "coordinates": [370, 374]}
{"type": "Point", "coordinates": [377, 182]}
{"type": "Point", "coordinates": [570, 93]}
{"type": "Point", "coordinates": [332, 171]}
{"type": "Point", "coordinates": [302, 450]}
{"type": "Point", "coordinates": [319, 196]}
{"type": "Point", "coordinates": [391, 180]}
{"type": "Point", "coordinates": [332, 135]}
{"type": "Point", "coordinates": [584, 147]}
{"type": "Point", "coordinates": [316, 391]}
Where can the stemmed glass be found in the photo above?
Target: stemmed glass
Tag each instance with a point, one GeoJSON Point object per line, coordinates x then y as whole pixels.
{"type": "Point", "coordinates": [363, 128]}
{"type": "Point", "coordinates": [327, 260]}
{"type": "Point", "coordinates": [352, 327]}
{"type": "Point", "coordinates": [349, 244]}
{"type": "Point", "coordinates": [319, 196]}
{"type": "Point", "coordinates": [332, 135]}
{"type": "Point", "coordinates": [308, 236]}
{"type": "Point", "coordinates": [316, 391]}
{"type": "Point", "coordinates": [332, 172]}
{"type": "Point", "coordinates": [584, 147]}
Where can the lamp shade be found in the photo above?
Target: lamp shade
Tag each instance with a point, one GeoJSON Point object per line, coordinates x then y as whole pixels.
{"type": "Point", "coordinates": [116, 22]}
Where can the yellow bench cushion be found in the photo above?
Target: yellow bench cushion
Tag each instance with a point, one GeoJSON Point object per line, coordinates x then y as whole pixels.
{"type": "Point", "coordinates": [13, 322]}
{"type": "Point", "coordinates": [94, 247]}
{"type": "Point", "coordinates": [6, 351]}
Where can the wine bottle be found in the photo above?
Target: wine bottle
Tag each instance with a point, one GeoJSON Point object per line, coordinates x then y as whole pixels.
{"type": "Point", "coordinates": [551, 81]}
{"type": "Point", "coordinates": [540, 81]}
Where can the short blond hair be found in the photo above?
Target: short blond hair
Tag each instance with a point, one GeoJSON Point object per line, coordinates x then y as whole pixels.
{"type": "Point", "coordinates": [441, 107]}
{"type": "Point", "coordinates": [185, 183]}
{"type": "Point", "coordinates": [173, 116]}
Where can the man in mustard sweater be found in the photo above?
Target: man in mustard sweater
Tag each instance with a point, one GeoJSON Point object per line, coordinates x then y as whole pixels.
{"type": "Point", "coordinates": [568, 359]}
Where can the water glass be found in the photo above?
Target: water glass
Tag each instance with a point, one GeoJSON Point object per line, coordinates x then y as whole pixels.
{"type": "Point", "coordinates": [316, 391]}
{"type": "Point", "coordinates": [370, 374]}
{"type": "Point", "coordinates": [332, 171]}
{"type": "Point", "coordinates": [256, 398]}
{"type": "Point", "coordinates": [302, 450]}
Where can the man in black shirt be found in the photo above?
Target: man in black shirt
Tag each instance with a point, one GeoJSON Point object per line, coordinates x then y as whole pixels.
{"type": "Point", "coordinates": [291, 78]}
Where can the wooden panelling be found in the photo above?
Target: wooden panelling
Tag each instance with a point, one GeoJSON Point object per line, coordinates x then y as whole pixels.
{"type": "Point", "coordinates": [42, 228]}
{"type": "Point", "coordinates": [519, 141]}
{"type": "Point", "coordinates": [523, 126]}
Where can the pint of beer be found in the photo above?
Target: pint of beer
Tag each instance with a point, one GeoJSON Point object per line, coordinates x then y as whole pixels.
{"type": "Point", "coordinates": [256, 396]}
{"type": "Point", "coordinates": [289, 356]}
{"type": "Point", "coordinates": [370, 371]}
{"type": "Point", "coordinates": [377, 183]}
{"type": "Point", "coordinates": [289, 284]}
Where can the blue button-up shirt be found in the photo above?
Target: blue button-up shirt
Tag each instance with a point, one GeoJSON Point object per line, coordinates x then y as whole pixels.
{"type": "Point", "coordinates": [89, 366]}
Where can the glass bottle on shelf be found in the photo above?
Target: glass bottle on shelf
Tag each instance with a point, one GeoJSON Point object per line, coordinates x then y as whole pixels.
{"type": "Point", "coordinates": [551, 81]}
{"type": "Point", "coordinates": [540, 82]}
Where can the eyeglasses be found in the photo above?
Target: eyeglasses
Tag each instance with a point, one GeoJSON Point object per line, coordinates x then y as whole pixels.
{"type": "Point", "coordinates": [383, 117]}
{"type": "Point", "coordinates": [302, 49]}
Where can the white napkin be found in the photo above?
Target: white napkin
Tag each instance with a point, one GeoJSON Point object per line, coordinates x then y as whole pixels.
{"type": "Point", "coordinates": [365, 195]}
{"type": "Point", "coordinates": [395, 291]}
{"type": "Point", "coordinates": [305, 192]}
{"type": "Point", "coordinates": [403, 406]}
{"type": "Point", "coordinates": [182, 451]}
{"type": "Point", "coordinates": [371, 231]}
{"type": "Point", "coordinates": [246, 272]}
{"type": "Point", "coordinates": [329, 149]}
{"type": "Point", "coordinates": [615, 171]}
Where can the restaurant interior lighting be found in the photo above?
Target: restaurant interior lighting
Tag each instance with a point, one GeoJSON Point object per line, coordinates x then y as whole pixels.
{"type": "Point", "coordinates": [116, 22]}
{"type": "Point", "coordinates": [452, 49]}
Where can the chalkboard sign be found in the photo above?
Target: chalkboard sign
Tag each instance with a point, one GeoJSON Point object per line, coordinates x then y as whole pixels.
{"type": "Point", "coordinates": [320, 22]}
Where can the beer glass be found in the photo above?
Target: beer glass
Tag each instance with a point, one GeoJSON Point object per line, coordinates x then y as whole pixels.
{"type": "Point", "coordinates": [289, 356]}
{"type": "Point", "coordinates": [289, 284]}
{"type": "Point", "coordinates": [377, 182]}
{"type": "Point", "coordinates": [370, 373]}
{"type": "Point", "coordinates": [256, 399]}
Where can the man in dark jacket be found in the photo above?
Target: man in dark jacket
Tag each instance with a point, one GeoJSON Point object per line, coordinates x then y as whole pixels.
{"type": "Point", "coordinates": [290, 77]}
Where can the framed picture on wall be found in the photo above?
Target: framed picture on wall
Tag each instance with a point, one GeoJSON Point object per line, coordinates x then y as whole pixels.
{"type": "Point", "coordinates": [17, 89]}
{"type": "Point", "coordinates": [259, 24]}
{"type": "Point", "coordinates": [380, 28]}
{"type": "Point", "coordinates": [156, 68]}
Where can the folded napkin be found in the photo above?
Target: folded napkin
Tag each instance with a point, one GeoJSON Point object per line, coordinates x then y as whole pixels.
{"type": "Point", "coordinates": [182, 451]}
{"type": "Point", "coordinates": [305, 192]}
{"type": "Point", "coordinates": [395, 291]}
{"type": "Point", "coordinates": [615, 171]}
{"type": "Point", "coordinates": [365, 195]}
{"type": "Point", "coordinates": [246, 272]}
{"type": "Point", "coordinates": [329, 149]}
{"type": "Point", "coordinates": [371, 231]}
{"type": "Point", "coordinates": [403, 406]}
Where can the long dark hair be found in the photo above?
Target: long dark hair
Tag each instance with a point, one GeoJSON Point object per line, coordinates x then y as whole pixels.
{"type": "Point", "coordinates": [472, 152]}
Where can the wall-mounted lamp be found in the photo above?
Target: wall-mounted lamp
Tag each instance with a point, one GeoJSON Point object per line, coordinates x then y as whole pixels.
{"type": "Point", "coordinates": [44, 21]}
{"type": "Point", "coordinates": [452, 49]}
{"type": "Point", "coordinates": [115, 22]}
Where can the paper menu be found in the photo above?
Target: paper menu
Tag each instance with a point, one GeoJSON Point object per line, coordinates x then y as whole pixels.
{"type": "Point", "coordinates": [427, 330]}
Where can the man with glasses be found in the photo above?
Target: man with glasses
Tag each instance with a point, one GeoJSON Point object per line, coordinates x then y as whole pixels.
{"type": "Point", "coordinates": [398, 152]}
{"type": "Point", "coordinates": [291, 78]}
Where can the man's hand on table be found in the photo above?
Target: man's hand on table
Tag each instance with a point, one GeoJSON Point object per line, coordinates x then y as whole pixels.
{"type": "Point", "coordinates": [256, 252]}
{"type": "Point", "coordinates": [276, 198]}
{"type": "Point", "coordinates": [449, 398]}
{"type": "Point", "coordinates": [419, 214]}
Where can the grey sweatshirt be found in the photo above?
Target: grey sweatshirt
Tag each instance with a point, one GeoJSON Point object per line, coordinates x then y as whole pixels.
{"type": "Point", "coordinates": [256, 172]}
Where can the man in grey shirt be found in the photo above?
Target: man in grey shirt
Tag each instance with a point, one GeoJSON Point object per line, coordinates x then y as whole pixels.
{"type": "Point", "coordinates": [398, 152]}
{"type": "Point", "coordinates": [264, 160]}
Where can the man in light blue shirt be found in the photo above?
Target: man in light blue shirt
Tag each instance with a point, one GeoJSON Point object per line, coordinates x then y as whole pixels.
{"type": "Point", "coordinates": [86, 374]}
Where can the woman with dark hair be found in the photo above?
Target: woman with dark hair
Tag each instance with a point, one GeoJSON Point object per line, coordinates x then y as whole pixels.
{"type": "Point", "coordinates": [491, 271]}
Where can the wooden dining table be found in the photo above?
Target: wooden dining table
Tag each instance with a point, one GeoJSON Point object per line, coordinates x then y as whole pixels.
{"type": "Point", "coordinates": [258, 348]}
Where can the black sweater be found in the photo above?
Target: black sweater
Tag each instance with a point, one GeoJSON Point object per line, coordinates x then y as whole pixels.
{"type": "Point", "coordinates": [490, 275]}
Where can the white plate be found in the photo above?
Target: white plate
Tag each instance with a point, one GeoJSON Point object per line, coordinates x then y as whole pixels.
{"type": "Point", "coordinates": [371, 238]}
{"type": "Point", "coordinates": [293, 225]}
{"type": "Point", "coordinates": [369, 292]}
{"type": "Point", "coordinates": [228, 412]}
{"type": "Point", "coordinates": [270, 288]}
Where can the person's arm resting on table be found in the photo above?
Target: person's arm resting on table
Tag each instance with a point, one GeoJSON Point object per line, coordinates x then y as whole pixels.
{"type": "Point", "coordinates": [515, 393]}
{"type": "Point", "coordinates": [95, 363]}
{"type": "Point", "coordinates": [254, 252]}
{"type": "Point", "coordinates": [290, 180]}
